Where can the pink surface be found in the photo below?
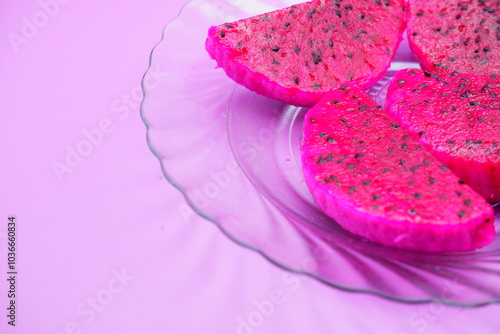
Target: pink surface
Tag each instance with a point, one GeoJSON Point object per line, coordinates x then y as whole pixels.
{"type": "Point", "coordinates": [105, 244]}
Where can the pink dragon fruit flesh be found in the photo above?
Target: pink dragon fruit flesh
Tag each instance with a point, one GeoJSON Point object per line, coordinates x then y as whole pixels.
{"type": "Point", "coordinates": [376, 180]}
{"type": "Point", "coordinates": [455, 36]}
{"type": "Point", "coordinates": [297, 54]}
{"type": "Point", "coordinates": [458, 119]}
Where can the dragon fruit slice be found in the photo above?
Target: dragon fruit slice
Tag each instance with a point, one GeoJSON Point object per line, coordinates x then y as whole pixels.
{"type": "Point", "coordinates": [375, 180]}
{"type": "Point", "coordinates": [455, 36]}
{"type": "Point", "coordinates": [298, 53]}
{"type": "Point", "coordinates": [457, 119]}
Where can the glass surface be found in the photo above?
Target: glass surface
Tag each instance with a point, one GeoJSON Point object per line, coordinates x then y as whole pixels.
{"type": "Point", "coordinates": [235, 157]}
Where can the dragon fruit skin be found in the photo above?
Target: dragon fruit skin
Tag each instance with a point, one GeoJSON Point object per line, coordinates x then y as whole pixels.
{"type": "Point", "coordinates": [296, 54]}
{"type": "Point", "coordinates": [457, 119]}
{"type": "Point", "coordinates": [455, 36]}
{"type": "Point", "coordinates": [374, 179]}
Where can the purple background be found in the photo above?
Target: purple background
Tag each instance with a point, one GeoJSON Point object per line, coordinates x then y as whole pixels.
{"type": "Point", "coordinates": [105, 244]}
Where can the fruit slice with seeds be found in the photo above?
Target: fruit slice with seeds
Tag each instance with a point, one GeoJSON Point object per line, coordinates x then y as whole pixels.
{"type": "Point", "coordinates": [458, 119]}
{"type": "Point", "coordinates": [298, 53]}
{"type": "Point", "coordinates": [455, 36]}
{"type": "Point", "coordinates": [377, 181]}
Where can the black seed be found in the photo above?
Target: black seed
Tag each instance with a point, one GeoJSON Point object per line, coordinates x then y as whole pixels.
{"type": "Point", "coordinates": [412, 212]}
{"type": "Point", "coordinates": [451, 142]}
{"type": "Point", "coordinates": [335, 101]}
{"type": "Point", "coordinates": [404, 147]}
{"type": "Point", "coordinates": [390, 149]}
{"type": "Point", "coordinates": [477, 40]}
{"type": "Point", "coordinates": [453, 59]}
{"type": "Point", "coordinates": [466, 42]}
{"type": "Point", "coordinates": [443, 167]}
{"type": "Point", "coordinates": [331, 140]}
{"type": "Point", "coordinates": [356, 36]}
{"type": "Point", "coordinates": [461, 182]}
{"type": "Point", "coordinates": [275, 48]}
{"type": "Point", "coordinates": [316, 58]}
{"type": "Point", "coordinates": [415, 34]}
{"type": "Point", "coordinates": [351, 166]}
{"type": "Point", "coordinates": [437, 64]}
{"type": "Point", "coordinates": [473, 103]}
{"type": "Point", "coordinates": [467, 202]}
{"type": "Point", "coordinates": [417, 195]}
{"type": "Point", "coordinates": [385, 170]}
{"type": "Point", "coordinates": [395, 126]}
{"type": "Point", "coordinates": [310, 42]}
{"type": "Point", "coordinates": [343, 120]}
{"type": "Point", "coordinates": [330, 44]}
{"type": "Point", "coordinates": [339, 13]}
{"type": "Point", "coordinates": [458, 193]}
{"type": "Point", "coordinates": [312, 120]}
{"type": "Point", "coordinates": [432, 180]}
{"type": "Point", "coordinates": [420, 13]}
{"type": "Point", "coordinates": [362, 32]}
{"type": "Point", "coordinates": [416, 90]}
{"type": "Point", "coordinates": [375, 197]}
{"type": "Point", "coordinates": [297, 50]}
{"type": "Point", "coordinates": [480, 119]}
{"type": "Point", "coordinates": [351, 188]}
{"type": "Point", "coordinates": [287, 25]}
{"type": "Point", "coordinates": [222, 34]}
{"type": "Point", "coordinates": [437, 29]}
{"type": "Point", "coordinates": [349, 55]}
{"type": "Point", "coordinates": [461, 213]}
{"type": "Point", "coordinates": [421, 133]}
{"type": "Point", "coordinates": [458, 16]}
{"type": "Point", "coordinates": [358, 155]}
{"type": "Point", "coordinates": [401, 81]}
{"type": "Point", "coordinates": [486, 49]}
{"type": "Point", "coordinates": [343, 88]}
{"type": "Point", "coordinates": [402, 162]}
{"type": "Point", "coordinates": [365, 182]}
{"type": "Point", "coordinates": [426, 162]}
{"type": "Point", "coordinates": [296, 80]}
{"type": "Point", "coordinates": [322, 134]}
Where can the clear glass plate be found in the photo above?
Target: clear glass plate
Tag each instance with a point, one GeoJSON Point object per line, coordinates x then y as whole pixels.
{"type": "Point", "coordinates": [235, 157]}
